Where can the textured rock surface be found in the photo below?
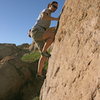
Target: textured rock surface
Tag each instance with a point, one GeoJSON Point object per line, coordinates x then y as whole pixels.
{"type": "Point", "coordinates": [13, 74]}
{"type": "Point", "coordinates": [12, 49]}
{"type": "Point", "coordinates": [74, 68]}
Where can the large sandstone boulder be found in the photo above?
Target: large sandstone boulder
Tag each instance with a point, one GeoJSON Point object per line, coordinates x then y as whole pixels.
{"type": "Point", "coordinates": [16, 74]}
{"type": "Point", "coordinates": [13, 74]}
{"type": "Point", "coordinates": [74, 67]}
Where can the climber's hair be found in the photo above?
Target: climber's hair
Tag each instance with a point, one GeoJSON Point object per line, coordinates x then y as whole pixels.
{"type": "Point", "coordinates": [52, 3]}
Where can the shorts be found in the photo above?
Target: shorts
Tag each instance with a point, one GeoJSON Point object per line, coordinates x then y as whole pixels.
{"type": "Point", "coordinates": [37, 33]}
{"type": "Point", "coordinates": [40, 45]}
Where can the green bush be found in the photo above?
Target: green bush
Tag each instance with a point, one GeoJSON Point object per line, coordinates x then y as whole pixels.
{"type": "Point", "coordinates": [31, 57]}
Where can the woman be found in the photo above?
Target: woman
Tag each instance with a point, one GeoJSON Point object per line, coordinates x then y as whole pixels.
{"type": "Point", "coordinates": [43, 34]}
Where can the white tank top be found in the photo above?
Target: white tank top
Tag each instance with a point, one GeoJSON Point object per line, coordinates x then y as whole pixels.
{"type": "Point", "coordinates": [42, 22]}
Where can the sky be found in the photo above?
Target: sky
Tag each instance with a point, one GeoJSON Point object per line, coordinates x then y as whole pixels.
{"type": "Point", "coordinates": [18, 16]}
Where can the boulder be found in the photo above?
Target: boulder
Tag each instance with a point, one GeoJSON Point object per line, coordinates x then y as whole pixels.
{"type": "Point", "coordinates": [15, 74]}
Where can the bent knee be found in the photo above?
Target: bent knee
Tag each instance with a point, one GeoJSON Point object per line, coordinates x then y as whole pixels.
{"type": "Point", "coordinates": [52, 35]}
{"type": "Point", "coordinates": [43, 58]}
{"type": "Point", "coordinates": [52, 29]}
{"type": "Point", "coordinates": [51, 39]}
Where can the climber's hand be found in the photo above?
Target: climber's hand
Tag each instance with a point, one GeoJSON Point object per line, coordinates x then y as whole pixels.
{"type": "Point", "coordinates": [29, 33]}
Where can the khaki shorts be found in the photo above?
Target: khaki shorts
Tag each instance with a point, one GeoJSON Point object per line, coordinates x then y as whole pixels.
{"type": "Point", "coordinates": [40, 45]}
{"type": "Point", "coordinates": [37, 33]}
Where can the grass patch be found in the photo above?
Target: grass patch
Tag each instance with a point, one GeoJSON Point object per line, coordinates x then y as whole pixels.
{"type": "Point", "coordinates": [31, 57]}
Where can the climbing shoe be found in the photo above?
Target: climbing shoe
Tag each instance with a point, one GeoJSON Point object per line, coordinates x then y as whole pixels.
{"type": "Point", "coordinates": [40, 77]}
{"type": "Point", "coordinates": [46, 54]}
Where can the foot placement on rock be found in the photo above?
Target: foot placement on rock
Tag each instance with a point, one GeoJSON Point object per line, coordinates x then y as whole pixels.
{"type": "Point", "coordinates": [40, 76]}
{"type": "Point", "coordinates": [46, 54]}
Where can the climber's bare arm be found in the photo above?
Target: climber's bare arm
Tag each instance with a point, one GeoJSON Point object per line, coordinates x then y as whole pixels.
{"type": "Point", "coordinates": [46, 17]}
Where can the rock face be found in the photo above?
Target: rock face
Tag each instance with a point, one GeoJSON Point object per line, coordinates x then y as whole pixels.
{"type": "Point", "coordinates": [74, 68]}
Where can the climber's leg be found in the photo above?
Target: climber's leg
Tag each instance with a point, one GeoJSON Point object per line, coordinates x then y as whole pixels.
{"type": "Point", "coordinates": [49, 36]}
{"type": "Point", "coordinates": [41, 63]}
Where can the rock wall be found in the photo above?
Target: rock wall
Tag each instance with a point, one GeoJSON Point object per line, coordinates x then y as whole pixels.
{"type": "Point", "coordinates": [74, 67]}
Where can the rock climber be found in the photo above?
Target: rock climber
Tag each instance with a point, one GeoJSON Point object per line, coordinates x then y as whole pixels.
{"type": "Point", "coordinates": [43, 34]}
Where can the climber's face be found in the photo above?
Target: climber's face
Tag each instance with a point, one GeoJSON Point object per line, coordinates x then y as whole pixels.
{"type": "Point", "coordinates": [53, 7]}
